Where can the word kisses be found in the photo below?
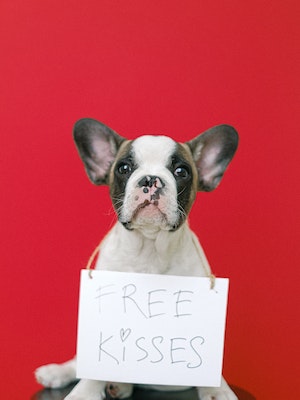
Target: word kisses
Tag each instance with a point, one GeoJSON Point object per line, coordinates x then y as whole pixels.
{"type": "Point", "coordinates": [154, 350]}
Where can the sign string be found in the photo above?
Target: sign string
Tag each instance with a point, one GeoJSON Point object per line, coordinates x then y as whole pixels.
{"type": "Point", "coordinates": [92, 258]}
{"type": "Point", "coordinates": [204, 262]}
{"type": "Point", "coordinates": [197, 245]}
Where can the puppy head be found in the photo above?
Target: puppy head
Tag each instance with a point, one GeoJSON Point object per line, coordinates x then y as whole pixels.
{"type": "Point", "coordinates": [153, 180]}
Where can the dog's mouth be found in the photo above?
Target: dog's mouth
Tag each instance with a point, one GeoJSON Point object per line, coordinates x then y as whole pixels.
{"type": "Point", "coordinates": [148, 209]}
{"type": "Point", "coordinates": [148, 213]}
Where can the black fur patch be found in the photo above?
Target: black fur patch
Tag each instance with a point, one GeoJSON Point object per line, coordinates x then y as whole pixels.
{"type": "Point", "coordinates": [184, 183]}
{"type": "Point", "coordinates": [117, 190]}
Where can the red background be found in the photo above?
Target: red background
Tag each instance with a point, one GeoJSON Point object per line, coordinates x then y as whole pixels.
{"type": "Point", "coordinates": [162, 67]}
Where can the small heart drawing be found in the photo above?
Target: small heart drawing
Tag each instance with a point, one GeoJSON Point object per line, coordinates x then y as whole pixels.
{"type": "Point", "coordinates": [124, 333]}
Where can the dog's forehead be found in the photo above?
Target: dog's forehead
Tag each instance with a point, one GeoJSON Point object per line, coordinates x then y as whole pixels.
{"type": "Point", "coordinates": [153, 149]}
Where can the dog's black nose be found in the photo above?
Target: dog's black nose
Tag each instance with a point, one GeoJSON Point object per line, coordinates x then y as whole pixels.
{"type": "Point", "coordinates": [151, 180]}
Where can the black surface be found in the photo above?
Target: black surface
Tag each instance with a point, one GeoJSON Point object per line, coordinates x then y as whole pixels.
{"type": "Point", "coordinates": [140, 394]}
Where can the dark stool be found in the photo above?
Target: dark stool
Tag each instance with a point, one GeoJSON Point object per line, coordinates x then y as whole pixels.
{"type": "Point", "coordinates": [140, 394]}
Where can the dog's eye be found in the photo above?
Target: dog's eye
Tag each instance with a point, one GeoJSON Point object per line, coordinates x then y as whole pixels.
{"type": "Point", "coordinates": [124, 168]}
{"type": "Point", "coordinates": [181, 172]}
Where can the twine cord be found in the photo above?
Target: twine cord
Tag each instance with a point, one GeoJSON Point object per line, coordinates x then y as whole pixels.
{"type": "Point", "coordinates": [91, 260]}
{"type": "Point", "coordinates": [199, 249]}
{"type": "Point", "coordinates": [204, 262]}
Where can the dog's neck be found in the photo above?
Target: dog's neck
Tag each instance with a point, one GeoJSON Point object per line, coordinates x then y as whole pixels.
{"type": "Point", "coordinates": [149, 232]}
{"type": "Point", "coordinates": [151, 251]}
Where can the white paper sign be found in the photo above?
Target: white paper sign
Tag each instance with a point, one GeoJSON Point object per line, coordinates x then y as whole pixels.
{"type": "Point", "coordinates": [151, 329]}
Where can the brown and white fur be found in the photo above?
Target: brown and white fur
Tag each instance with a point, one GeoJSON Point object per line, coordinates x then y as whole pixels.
{"type": "Point", "coordinates": [153, 183]}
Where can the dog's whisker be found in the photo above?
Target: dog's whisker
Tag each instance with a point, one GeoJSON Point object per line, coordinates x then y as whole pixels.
{"type": "Point", "coordinates": [181, 211]}
{"type": "Point", "coordinates": [179, 193]}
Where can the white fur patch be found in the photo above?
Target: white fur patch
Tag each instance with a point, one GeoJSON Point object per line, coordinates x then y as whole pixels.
{"type": "Point", "coordinates": [152, 152]}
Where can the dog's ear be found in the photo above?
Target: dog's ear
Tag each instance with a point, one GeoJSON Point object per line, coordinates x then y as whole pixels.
{"type": "Point", "coordinates": [212, 151]}
{"type": "Point", "coordinates": [97, 146]}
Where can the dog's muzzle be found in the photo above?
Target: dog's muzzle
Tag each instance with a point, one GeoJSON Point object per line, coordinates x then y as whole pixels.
{"type": "Point", "coordinates": [150, 204]}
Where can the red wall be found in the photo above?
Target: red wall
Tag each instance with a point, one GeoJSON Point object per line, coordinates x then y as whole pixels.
{"type": "Point", "coordinates": [168, 67]}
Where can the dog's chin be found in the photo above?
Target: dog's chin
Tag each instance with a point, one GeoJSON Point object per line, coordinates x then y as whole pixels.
{"type": "Point", "coordinates": [149, 217]}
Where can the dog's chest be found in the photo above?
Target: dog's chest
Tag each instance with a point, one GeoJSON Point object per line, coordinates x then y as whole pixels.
{"type": "Point", "coordinates": [170, 253]}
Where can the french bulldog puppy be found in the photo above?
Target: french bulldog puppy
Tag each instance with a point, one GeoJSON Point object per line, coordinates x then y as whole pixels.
{"type": "Point", "coordinates": [153, 182]}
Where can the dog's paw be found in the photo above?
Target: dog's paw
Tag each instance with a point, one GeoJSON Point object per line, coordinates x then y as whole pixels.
{"type": "Point", "coordinates": [118, 390]}
{"type": "Point", "coordinates": [55, 375]}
